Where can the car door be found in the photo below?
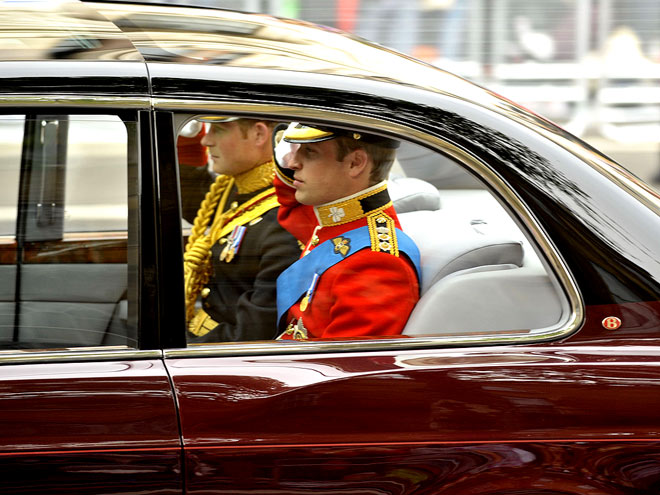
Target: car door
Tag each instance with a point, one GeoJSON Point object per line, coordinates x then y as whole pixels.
{"type": "Point", "coordinates": [485, 392]}
{"type": "Point", "coordinates": [511, 420]}
{"type": "Point", "coordinates": [86, 404]}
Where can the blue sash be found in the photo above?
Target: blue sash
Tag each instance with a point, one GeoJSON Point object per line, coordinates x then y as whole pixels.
{"type": "Point", "coordinates": [295, 280]}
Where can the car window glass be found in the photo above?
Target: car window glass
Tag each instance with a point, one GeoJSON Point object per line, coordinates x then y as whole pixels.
{"type": "Point", "coordinates": [66, 280]}
{"type": "Point", "coordinates": [11, 137]}
{"type": "Point", "coordinates": [481, 274]}
{"type": "Point", "coordinates": [96, 188]}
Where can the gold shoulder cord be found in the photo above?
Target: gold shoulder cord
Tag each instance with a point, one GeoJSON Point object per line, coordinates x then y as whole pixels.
{"type": "Point", "coordinates": [196, 266]}
{"type": "Point", "coordinates": [197, 257]}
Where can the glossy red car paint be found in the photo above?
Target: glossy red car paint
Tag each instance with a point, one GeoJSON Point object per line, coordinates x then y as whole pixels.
{"type": "Point", "coordinates": [75, 426]}
{"type": "Point", "coordinates": [569, 416]}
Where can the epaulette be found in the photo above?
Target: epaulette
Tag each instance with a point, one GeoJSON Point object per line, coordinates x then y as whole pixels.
{"type": "Point", "coordinates": [382, 232]}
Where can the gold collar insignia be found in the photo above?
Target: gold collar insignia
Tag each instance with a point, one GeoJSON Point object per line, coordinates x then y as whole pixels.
{"type": "Point", "coordinates": [256, 178]}
{"type": "Point", "coordinates": [345, 210]}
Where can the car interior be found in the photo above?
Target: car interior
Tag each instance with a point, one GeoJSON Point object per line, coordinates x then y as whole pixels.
{"type": "Point", "coordinates": [69, 223]}
{"type": "Point", "coordinates": [63, 235]}
{"type": "Point", "coordinates": [480, 273]}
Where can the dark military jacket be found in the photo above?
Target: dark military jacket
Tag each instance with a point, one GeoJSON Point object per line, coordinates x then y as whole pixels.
{"type": "Point", "coordinates": [242, 296]}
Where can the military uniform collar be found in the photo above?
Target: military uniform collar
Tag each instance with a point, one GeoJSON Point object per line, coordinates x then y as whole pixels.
{"type": "Point", "coordinates": [256, 178]}
{"type": "Point", "coordinates": [354, 207]}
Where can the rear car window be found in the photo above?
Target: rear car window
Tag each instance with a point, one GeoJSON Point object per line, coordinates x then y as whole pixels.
{"type": "Point", "coordinates": [64, 231]}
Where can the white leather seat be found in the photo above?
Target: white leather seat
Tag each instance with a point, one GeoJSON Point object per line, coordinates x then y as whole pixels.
{"type": "Point", "coordinates": [410, 194]}
{"type": "Point", "coordinates": [476, 278]}
{"type": "Point", "coordinates": [448, 244]}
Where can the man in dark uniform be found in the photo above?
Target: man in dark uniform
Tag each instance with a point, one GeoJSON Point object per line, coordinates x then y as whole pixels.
{"type": "Point", "coordinates": [236, 248]}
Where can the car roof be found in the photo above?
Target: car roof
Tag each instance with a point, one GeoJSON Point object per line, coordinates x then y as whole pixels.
{"type": "Point", "coordinates": [40, 31]}
{"type": "Point", "coordinates": [111, 31]}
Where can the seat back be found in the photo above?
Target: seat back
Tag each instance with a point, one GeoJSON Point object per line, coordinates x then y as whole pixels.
{"type": "Point", "coordinates": [448, 244]}
{"type": "Point", "coordinates": [487, 299]}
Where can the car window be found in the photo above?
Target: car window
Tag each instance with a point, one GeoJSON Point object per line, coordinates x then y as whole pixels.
{"type": "Point", "coordinates": [11, 138]}
{"type": "Point", "coordinates": [101, 205]}
{"type": "Point", "coordinates": [480, 274]}
{"type": "Point", "coordinates": [64, 230]}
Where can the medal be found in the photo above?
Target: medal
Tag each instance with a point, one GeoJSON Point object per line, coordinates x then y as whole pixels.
{"type": "Point", "coordinates": [307, 300]}
{"type": "Point", "coordinates": [234, 241]}
{"type": "Point", "coordinates": [225, 250]}
{"type": "Point", "coordinates": [230, 254]}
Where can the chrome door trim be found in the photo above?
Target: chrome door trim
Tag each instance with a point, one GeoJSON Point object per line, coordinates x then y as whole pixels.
{"type": "Point", "coordinates": [95, 102]}
{"type": "Point", "coordinates": [118, 353]}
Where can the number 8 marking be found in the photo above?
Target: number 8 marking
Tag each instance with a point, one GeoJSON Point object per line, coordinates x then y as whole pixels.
{"type": "Point", "coordinates": [611, 323]}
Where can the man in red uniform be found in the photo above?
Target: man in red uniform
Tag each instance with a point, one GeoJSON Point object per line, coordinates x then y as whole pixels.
{"type": "Point", "coordinates": [358, 274]}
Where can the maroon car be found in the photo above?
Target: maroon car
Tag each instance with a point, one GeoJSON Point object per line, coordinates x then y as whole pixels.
{"type": "Point", "coordinates": [530, 365]}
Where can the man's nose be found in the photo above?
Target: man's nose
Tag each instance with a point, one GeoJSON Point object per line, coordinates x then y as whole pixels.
{"type": "Point", "coordinates": [295, 163]}
{"type": "Point", "coordinates": [292, 161]}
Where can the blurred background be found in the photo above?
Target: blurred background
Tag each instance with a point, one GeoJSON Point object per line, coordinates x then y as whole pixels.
{"type": "Point", "coordinates": [592, 66]}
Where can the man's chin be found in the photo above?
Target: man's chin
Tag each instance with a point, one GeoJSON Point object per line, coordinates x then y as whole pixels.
{"type": "Point", "coordinates": [219, 168]}
{"type": "Point", "coordinates": [302, 198]}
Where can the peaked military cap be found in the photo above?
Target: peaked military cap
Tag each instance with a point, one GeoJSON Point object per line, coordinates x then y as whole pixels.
{"type": "Point", "coordinates": [301, 134]}
{"type": "Point", "coordinates": [216, 118]}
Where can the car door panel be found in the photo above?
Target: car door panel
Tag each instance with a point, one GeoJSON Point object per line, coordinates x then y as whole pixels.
{"type": "Point", "coordinates": [72, 292]}
{"type": "Point", "coordinates": [7, 291]}
{"type": "Point", "coordinates": [399, 422]}
{"type": "Point", "coordinates": [88, 427]}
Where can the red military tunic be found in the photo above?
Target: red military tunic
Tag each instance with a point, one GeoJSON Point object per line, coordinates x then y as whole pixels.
{"type": "Point", "coordinates": [369, 293]}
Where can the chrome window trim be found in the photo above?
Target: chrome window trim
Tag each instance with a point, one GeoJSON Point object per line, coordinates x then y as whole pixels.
{"type": "Point", "coordinates": [569, 287]}
{"type": "Point", "coordinates": [118, 353]}
{"type": "Point", "coordinates": [96, 102]}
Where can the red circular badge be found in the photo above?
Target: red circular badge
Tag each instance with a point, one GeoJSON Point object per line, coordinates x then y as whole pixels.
{"type": "Point", "coordinates": [611, 323]}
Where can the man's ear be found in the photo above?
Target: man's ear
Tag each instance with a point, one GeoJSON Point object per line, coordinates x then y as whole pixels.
{"type": "Point", "coordinates": [261, 134]}
{"type": "Point", "coordinates": [359, 164]}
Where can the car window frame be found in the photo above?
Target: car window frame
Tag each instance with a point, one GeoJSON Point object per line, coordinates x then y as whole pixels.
{"type": "Point", "coordinates": [519, 212]}
{"type": "Point", "coordinates": [142, 261]}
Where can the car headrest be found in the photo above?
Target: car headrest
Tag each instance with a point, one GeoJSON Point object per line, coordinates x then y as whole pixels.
{"type": "Point", "coordinates": [410, 194]}
{"type": "Point", "coordinates": [448, 244]}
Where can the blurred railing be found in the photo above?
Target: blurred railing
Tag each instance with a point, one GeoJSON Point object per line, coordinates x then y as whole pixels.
{"type": "Point", "coordinates": [593, 66]}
